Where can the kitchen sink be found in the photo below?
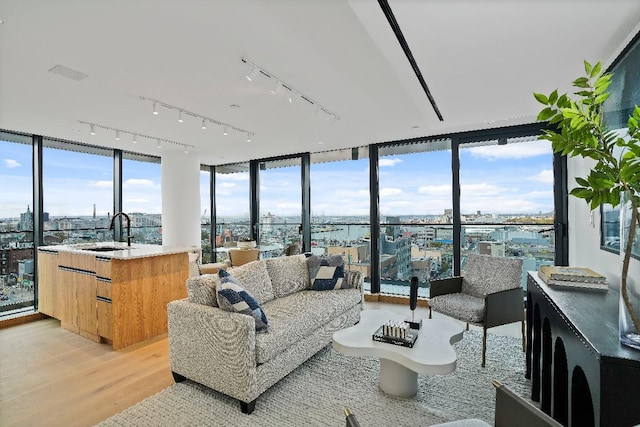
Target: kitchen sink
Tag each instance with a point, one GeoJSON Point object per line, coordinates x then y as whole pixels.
{"type": "Point", "coordinates": [106, 248]}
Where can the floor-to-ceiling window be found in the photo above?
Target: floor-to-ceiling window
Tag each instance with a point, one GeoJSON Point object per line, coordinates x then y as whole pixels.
{"type": "Point", "coordinates": [77, 183]}
{"type": "Point", "coordinates": [416, 214]}
{"type": "Point", "coordinates": [205, 218]}
{"type": "Point", "coordinates": [233, 220]}
{"type": "Point", "coordinates": [142, 196]}
{"type": "Point", "coordinates": [506, 200]}
{"type": "Point", "coordinates": [340, 206]}
{"type": "Point", "coordinates": [280, 198]}
{"type": "Point", "coordinates": [16, 224]}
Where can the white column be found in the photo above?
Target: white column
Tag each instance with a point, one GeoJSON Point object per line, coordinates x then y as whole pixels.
{"type": "Point", "coordinates": [180, 199]}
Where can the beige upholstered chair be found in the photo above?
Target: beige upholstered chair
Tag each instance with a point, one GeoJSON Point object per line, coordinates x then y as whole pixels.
{"type": "Point", "coordinates": [489, 293]}
{"type": "Point", "coordinates": [239, 257]}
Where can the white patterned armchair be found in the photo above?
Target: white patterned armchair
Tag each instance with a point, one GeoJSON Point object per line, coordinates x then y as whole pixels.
{"type": "Point", "coordinates": [489, 293]}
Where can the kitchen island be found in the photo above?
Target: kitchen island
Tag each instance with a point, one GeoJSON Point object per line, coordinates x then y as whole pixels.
{"type": "Point", "coordinates": [110, 292]}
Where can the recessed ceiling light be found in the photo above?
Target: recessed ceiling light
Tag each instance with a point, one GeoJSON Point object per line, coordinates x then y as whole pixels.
{"type": "Point", "coordinates": [234, 106]}
{"type": "Point", "coordinates": [320, 142]}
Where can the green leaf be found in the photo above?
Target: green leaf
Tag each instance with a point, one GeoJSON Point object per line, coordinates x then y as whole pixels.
{"type": "Point", "coordinates": [587, 67]}
{"type": "Point", "coordinates": [595, 71]}
{"type": "Point", "coordinates": [553, 97]}
{"type": "Point", "coordinates": [563, 101]}
{"type": "Point", "coordinates": [581, 82]}
{"type": "Point", "coordinates": [583, 182]}
{"type": "Point", "coordinates": [546, 114]}
{"type": "Point", "coordinates": [583, 193]}
{"type": "Point", "coordinates": [601, 98]}
{"type": "Point", "coordinates": [542, 99]}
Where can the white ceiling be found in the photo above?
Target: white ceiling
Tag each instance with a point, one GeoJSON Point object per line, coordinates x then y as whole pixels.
{"type": "Point", "coordinates": [481, 60]}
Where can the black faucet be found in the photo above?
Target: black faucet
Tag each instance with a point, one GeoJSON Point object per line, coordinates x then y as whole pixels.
{"type": "Point", "coordinates": [113, 219]}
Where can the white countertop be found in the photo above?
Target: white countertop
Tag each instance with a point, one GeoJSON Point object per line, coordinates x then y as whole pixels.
{"type": "Point", "coordinates": [121, 250]}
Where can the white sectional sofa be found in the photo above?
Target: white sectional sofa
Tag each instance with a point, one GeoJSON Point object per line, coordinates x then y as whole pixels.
{"type": "Point", "coordinates": [222, 350]}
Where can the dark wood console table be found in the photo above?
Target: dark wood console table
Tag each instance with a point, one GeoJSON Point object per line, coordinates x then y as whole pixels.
{"type": "Point", "coordinates": [580, 373]}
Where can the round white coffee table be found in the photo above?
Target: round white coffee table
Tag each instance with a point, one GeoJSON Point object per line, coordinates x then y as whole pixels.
{"type": "Point", "coordinates": [432, 353]}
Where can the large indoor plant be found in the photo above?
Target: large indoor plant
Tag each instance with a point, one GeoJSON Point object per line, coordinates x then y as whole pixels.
{"type": "Point", "coordinates": [577, 128]}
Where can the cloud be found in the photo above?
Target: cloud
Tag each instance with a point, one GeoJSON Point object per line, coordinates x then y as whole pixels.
{"type": "Point", "coordinates": [138, 182]}
{"type": "Point", "coordinates": [134, 200]}
{"type": "Point", "coordinates": [480, 190]}
{"type": "Point", "coordinates": [102, 184]}
{"type": "Point", "coordinates": [227, 185]}
{"type": "Point", "coordinates": [435, 190]}
{"type": "Point", "coordinates": [389, 162]}
{"type": "Point", "coordinates": [545, 176]}
{"type": "Point", "coordinates": [243, 176]}
{"type": "Point", "coordinates": [390, 192]}
{"type": "Point", "coordinates": [511, 151]}
{"type": "Point", "coordinates": [10, 163]}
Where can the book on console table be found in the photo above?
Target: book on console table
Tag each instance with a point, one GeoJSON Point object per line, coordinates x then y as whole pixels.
{"type": "Point", "coordinates": [572, 277]}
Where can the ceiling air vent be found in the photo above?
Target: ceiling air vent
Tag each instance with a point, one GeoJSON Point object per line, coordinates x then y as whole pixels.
{"type": "Point", "coordinates": [68, 72]}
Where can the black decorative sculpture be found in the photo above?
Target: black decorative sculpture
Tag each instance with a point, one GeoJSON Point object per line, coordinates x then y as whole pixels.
{"type": "Point", "coordinates": [413, 303]}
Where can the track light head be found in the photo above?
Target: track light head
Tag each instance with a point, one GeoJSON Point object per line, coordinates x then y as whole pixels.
{"type": "Point", "coordinates": [92, 130]}
{"type": "Point", "coordinates": [225, 131]}
{"type": "Point", "coordinates": [248, 137]}
{"type": "Point", "coordinates": [276, 87]}
{"type": "Point", "coordinates": [155, 108]}
{"type": "Point", "coordinates": [135, 139]}
{"type": "Point", "coordinates": [180, 119]}
{"type": "Point", "coordinates": [186, 150]}
{"type": "Point", "coordinates": [159, 144]}
{"type": "Point", "coordinates": [253, 74]}
{"type": "Point", "coordinates": [204, 124]}
{"type": "Point", "coordinates": [117, 135]}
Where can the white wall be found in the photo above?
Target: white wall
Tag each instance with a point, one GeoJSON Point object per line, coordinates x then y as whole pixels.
{"type": "Point", "coordinates": [584, 233]}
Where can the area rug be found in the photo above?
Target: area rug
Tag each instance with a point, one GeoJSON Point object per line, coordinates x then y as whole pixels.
{"type": "Point", "coordinates": [316, 393]}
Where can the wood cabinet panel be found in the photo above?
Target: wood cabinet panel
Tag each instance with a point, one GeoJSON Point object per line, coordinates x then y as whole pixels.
{"type": "Point", "coordinates": [105, 328]}
{"type": "Point", "coordinates": [103, 288]}
{"type": "Point", "coordinates": [141, 290]}
{"type": "Point", "coordinates": [103, 267]}
{"type": "Point", "coordinates": [65, 299]}
{"type": "Point", "coordinates": [79, 261]}
{"type": "Point", "coordinates": [85, 284]}
{"type": "Point", "coordinates": [47, 275]}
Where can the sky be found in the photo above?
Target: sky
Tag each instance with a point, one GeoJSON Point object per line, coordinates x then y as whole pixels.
{"type": "Point", "coordinates": [514, 178]}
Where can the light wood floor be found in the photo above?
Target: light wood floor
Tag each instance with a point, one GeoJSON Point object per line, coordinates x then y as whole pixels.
{"type": "Point", "coordinates": [52, 377]}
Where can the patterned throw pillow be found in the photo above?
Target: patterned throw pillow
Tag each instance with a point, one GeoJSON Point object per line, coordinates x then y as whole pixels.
{"type": "Point", "coordinates": [233, 297]}
{"type": "Point", "coordinates": [326, 273]}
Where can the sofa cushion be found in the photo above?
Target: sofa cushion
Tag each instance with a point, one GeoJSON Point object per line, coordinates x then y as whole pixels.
{"type": "Point", "coordinates": [326, 272]}
{"type": "Point", "coordinates": [254, 277]}
{"type": "Point", "coordinates": [233, 297]}
{"type": "Point", "coordinates": [202, 289]}
{"type": "Point", "coordinates": [296, 316]}
{"type": "Point", "coordinates": [288, 274]}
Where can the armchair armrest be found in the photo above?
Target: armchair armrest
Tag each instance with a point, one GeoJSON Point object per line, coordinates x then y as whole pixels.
{"type": "Point", "coordinates": [213, 347]}
{"type": "Point", "coordinates": [449, 285]}
{"type": "Point", "coordinates": [504, 307]}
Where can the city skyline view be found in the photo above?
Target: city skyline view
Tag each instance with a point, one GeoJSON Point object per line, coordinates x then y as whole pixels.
{"type": "Point", "coordinates": [412, 184]}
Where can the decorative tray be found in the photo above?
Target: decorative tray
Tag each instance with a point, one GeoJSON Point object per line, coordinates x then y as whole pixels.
{"type": "Point", "coordinates": [409, 341]}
